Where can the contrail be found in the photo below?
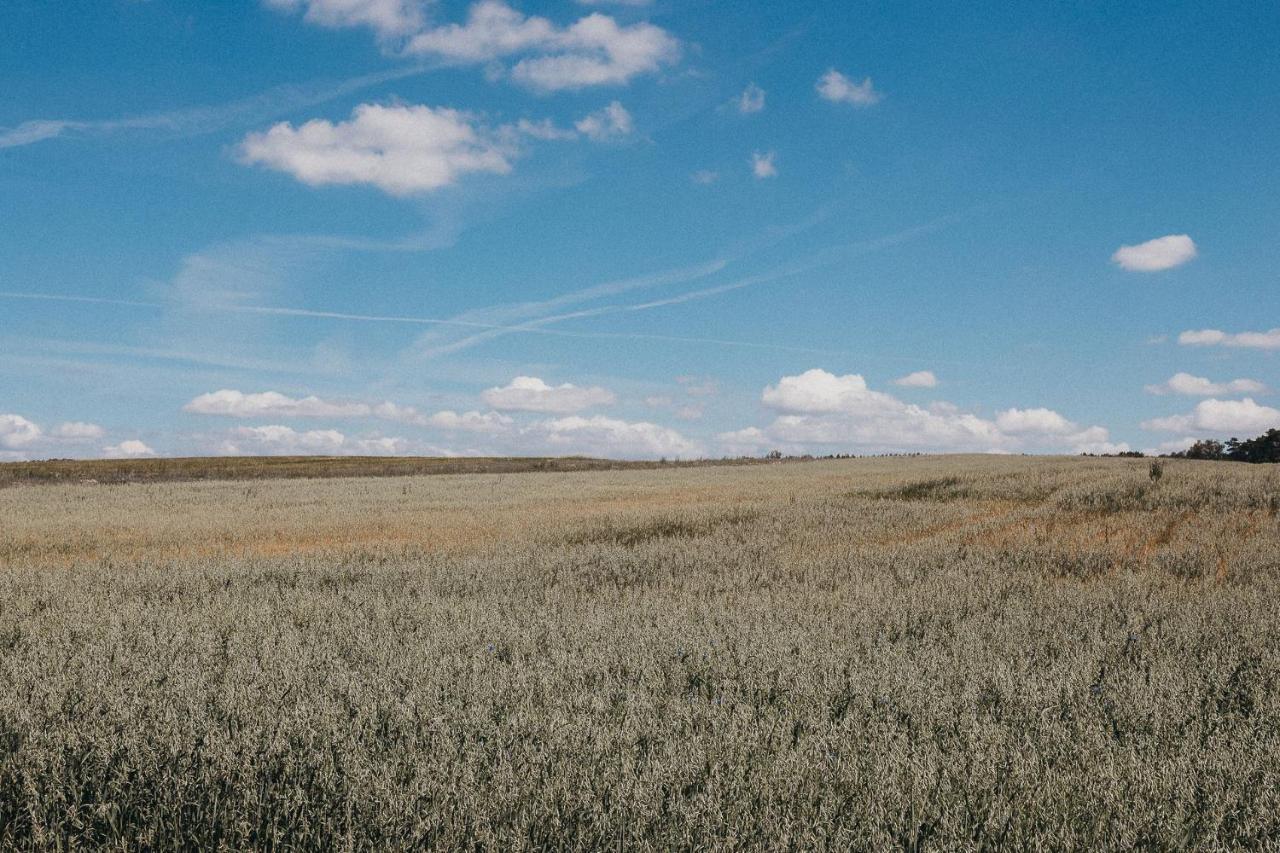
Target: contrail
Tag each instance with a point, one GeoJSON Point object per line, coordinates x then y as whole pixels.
{"type": "Point", "coordinates": [538, 326]}
{"type": "Point", "coordinates": [526, 328]}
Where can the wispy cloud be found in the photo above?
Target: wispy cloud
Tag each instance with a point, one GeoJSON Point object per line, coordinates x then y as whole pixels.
{"type": "Point", "coordinates": [1198, 386]}
{"type": "Point", "coordinates": [1267, 340]}
{"type": "Point", "coordinates": [198, 121]}
{"type": "Point", "coordinates": [763, 165]}
{"type": "Point", "coordinates": [837, 88]}
{"type": "Point", "coordinates": [751, 100]}
{"type": "Point", "coordinates": [535, 317]}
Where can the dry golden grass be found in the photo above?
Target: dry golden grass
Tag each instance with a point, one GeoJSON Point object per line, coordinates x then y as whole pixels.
{"type": "Point", "coordinates": [931, 653]}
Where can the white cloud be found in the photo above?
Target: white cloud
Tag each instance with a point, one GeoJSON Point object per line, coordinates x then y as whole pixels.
{"type": "Point", "coordinates": [705, 177]}
{"type": "Point", "coordinates": [486, 422]}
{"type": "Point", "coordinates": [389, 445]}
{"type": "Point", "coordinates": [751, 100]}
{"type": "Point", "coordinates": [493, 29]}
{"type": "Point", "coordinates": [762, 165]}
{"type": "Point", "coordinates": [78, 431]}
{"type": "Point", "coordinates": [1220, 416]}
{"type": "Point", "coordinates": [818, 392]}
{"type": "Point", "coordinates": [1198, 386]}
{"type": "Point", "coordinates": [531, 394]}
{"type": "Point", "coordinates": [611, 122]}
{"type": "Point", "coordinates": [16, 431]}
{"type": "Point", "coordinates": [276, 438]}
{"type": "Point", "coordinates": [401, 150]}
{"type": "Point", "coordinates": [274, 404]}
{"type": "Point", "coordinates": [820, 410]}
{"type": "Point", "coordinates": [594, 51]}
{"type": "Point", "coordinates": [1042, 421]}
{"type": "Point", "coordinates": [919, 379]}
{"type": "Point", "coordinates": [743, 442]}
{"type": "Point", "coordinates": [545, 130]}
{"type": "Point", "coordinates": [699, 386]}
{"type": "Point", "coordinates": [388, 18]}
{"type": "Point", "coordinates": [604, 436]}
{"type": "Point", "coordinates": [128, 449]}
{"type": "Point", "coordinates": [238, 404]}
{"type": "Point", "coordinates": [279, 440]}
{"type": "Point", "coordinates": [1155, 255]}
{"type": "Point", "coordinates": [837, 88]}
{"type": "Point", "coordinates": [1171, 446]}
{"type": "Point", "coordinates": [1267, 340]}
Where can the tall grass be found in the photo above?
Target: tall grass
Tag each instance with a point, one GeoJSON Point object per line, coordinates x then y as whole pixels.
{"type": "Point", "coordinates": [1019, 653]}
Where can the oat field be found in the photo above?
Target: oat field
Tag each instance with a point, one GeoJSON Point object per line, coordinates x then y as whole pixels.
{"type": "Point", "coordinates": [927, 654]}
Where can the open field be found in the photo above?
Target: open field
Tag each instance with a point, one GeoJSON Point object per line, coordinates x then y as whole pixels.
{"type": "Point", "coordinates": [927, 653]}
{"type": "Point", "coordinates": [190, 468]}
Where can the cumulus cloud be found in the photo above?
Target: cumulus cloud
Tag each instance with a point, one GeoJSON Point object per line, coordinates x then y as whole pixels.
{"type": "Point", "coordinates": [492, 30]}
{"type": "Point", "coordinates": [482, 422]}
{"type": "Point", "coordinates": [1173, 445]}
{"type": "Point", "coordinates": [1267, 340]}
{"type": "Point", "coordinates": [276, 438]}
{"type": "Point", "coordinates": [238, 404]}
{"type": "Point", "coordinates": [16, 431]}
{"type": "Point", "coordinates": [491, 423]}
{"type": "Point", "coordinates": [531, 394]}
{"type": "Point", "coordinates": [279, 440]}
{"type": "Point", "coordinates": [1219, 417]}
{"type": "Point", "coordinates": [751, 100]}
{"type": "Point", "coordinates": [819, 392]}
{"type": "Point", "coordinates": [1198, 386]}
{"type": "Point", "coordinates": [1155, 255]}
{"type": "Point", "coordinates": [594, 51]}
{"type": "Point", "coordinates": [919, 379]}
{"type": "Point", "coordinates": [388, 18]}
{"type": "Point", "coordinates": [401, 150]}
{"type": "Point", "coordinates": [837, 88]}
{"type": "Point", "coordinates": [762, 165]}
{"type": "Point", "coordinates": [744, 442]}
{"type": "Point", "coordinates": [612, 122]}
{"type": "Point", "coordinates": [78, 431]}
{"type": "Point", "coordinates": [604, 436]}
{"type": "Point", "coordinates": [1043, 421]}
{"type": "Point", "coordinates": [819, 410]}
{"type": "Point", "coordinates": [128, 449]}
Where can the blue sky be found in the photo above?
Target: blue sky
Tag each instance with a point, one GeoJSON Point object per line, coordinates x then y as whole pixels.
{"type": "Point", "coordinates": [635, 229]}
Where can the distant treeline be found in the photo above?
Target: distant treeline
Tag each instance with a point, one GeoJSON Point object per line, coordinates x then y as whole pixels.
{"type": "Point", "coordinates": [1264, 448]}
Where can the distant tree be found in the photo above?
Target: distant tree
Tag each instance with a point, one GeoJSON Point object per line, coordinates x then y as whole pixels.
{"type": "Point", "coordinates": [1264, 448]}
{"type": "Point", "coordinates": [1207, 448]}
{"type": "Point", "coordinates": [774, 454]}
